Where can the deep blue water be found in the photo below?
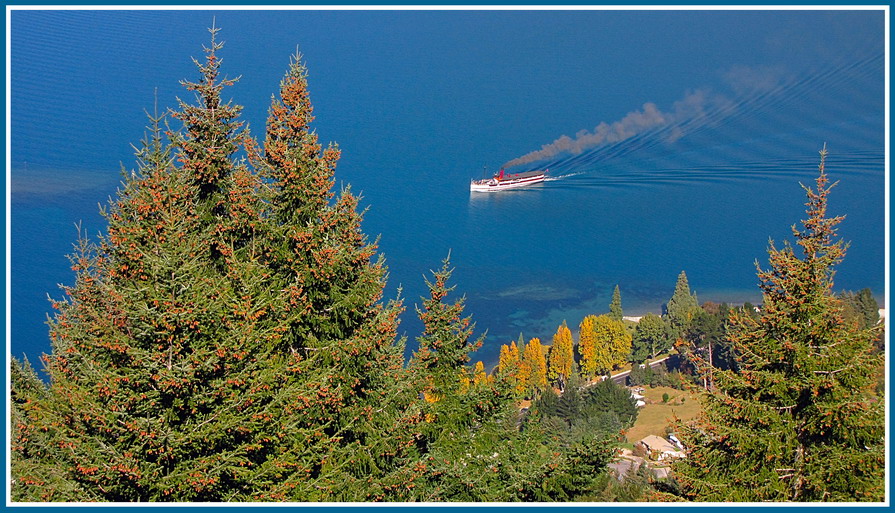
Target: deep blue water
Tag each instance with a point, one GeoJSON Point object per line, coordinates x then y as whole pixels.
{"type": "Point", "coordinates": [420, 102]}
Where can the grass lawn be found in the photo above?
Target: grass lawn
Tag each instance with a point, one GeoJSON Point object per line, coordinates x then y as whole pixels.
{"type": "Point", "coordinates": [653, 417]}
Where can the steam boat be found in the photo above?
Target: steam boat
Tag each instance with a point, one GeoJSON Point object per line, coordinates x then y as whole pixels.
{"type": "Point", "coordinates": [503, 180]}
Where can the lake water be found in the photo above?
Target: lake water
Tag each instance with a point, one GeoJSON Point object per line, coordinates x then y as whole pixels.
{"type": "Point", "coordinates": [701, 191]}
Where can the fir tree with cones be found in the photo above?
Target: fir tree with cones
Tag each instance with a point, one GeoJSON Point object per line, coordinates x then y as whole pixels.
{"type": "Point", "coordinates": [439, 365]}
{"type": "Point", "coordinates": [226, 339]}
{"type": "Point", "coordinates": [799, 421]}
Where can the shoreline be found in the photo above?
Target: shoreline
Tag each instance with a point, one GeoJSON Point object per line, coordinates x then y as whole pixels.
{"type": "Point", "coordinates": [543, 326]}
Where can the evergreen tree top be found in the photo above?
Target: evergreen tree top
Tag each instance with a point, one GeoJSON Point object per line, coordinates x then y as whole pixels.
{"type": "Point", "coordinates": [615, 307]}
{"type": "Point", "coordinates": [211, 125]}
{"type": "Point", "coordinates": [683, 305]}
{"type": "Point", "coordinates": [447, 338]}
{"type": "Point", "coordinates": [212, 350]}
{"type": "Point", "coordinates": [797, 421]}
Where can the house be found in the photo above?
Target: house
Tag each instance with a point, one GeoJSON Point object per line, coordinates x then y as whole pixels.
{"type": "Point", "coordinates": [625, 465]}
{"type": "Point", "coordinates": [660, 448]}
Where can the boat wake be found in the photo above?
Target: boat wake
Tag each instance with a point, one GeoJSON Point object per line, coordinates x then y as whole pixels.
{"type": "Point", "coordinates": [763, 133]}
{"type": "Point", "coordinates": [560, 177]}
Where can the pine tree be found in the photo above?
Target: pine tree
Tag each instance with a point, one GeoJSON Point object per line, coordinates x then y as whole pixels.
{"type": "Point", "coordinates": [468, 420]}
{"type": "Point", "coordinates": [152, 358]}
{"type": "Point", "coordinates": [860, 307]}
{"type": "Point", "coordinates": [704, 335]}
{"type": "Point", "coordinates": [607, 396]}
{"type": "Point", "coordinates": [34, 455]}
{"type": "Point", "coordinates": [868, 307]}
{"type": "Point", "coordinates": [798, 421]}
{"type": "Point", "coordinates": [681, 307]}
{"type": "Point", "coordinates": [155, 367]}
{"type": "Point", "coordinates": [211, 128]}
{"type": "Point", "coordinates": [561, 357]}
{"type": "Point", "coordinates": [498, 462]}
{"type": "Point", "coordinates": [615, 307]}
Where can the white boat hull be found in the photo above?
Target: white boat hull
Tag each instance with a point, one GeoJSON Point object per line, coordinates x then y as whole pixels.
{"type": "Point", "coordinates": [494, 185]}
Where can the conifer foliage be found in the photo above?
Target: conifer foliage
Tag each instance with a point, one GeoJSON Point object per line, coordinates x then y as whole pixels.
{"type": "Point", "coordinates": [341, 338]}
{"type": "Point", "coordinates": [615, 307]}
{"type": "Point", "coordinates": [226, 340]}
{"type": "Point", "coordinates": [439, 365]}
{"type": "Point", "coordinates": [211, 125]}
{"type": "Point", "coordinates": [798, 422]}
{"type": "Point", "coordinates": [682, 307]}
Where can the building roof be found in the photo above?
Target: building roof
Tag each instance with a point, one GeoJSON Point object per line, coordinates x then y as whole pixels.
{"type": "Point", "coordinates": [657, 443]}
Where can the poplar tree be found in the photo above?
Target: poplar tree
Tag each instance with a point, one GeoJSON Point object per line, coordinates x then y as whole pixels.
{"type": "Point", "coordinates": [588, 351]}
{"type": "Point", "coordinates": [525, 369]}
{"type": "Point", "coordinates": [799, 421]}
{"type": "Point", "coordinates": [536, 363]}
{"type": "Point", "coordinates": [613, 339]}
{"type": "Point", "coordinates": [561, 357]}
{"type": "Point", "coordinates": [479, 375]}
{"type": "Point", "coordinates": [508, 365]}
{"type": "Point", "coordinates": [604, 343]}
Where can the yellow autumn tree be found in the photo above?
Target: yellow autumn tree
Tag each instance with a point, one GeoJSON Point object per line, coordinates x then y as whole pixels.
{"type": "Point", "coordinates": [524, 374]}
{"type": "Point", "coordinates": [614, 339]}
{"type": "Point", "coordinates": [536, 363]}
{"type": "Point", "coordinates": [508, 364]}
{"type": "Point", "coordinates": [595, 356]}
{"type": "Point", "coordinates": [561, 358]}
{"type": "Point", "coordinates": [479, 376]}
